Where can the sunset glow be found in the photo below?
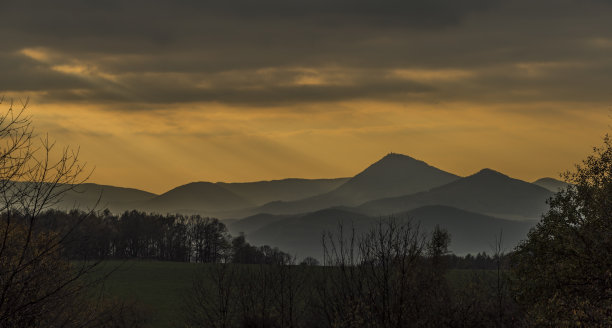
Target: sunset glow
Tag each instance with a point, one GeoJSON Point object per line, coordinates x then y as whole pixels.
{"type": "Point", "coordinates": [160, 95]}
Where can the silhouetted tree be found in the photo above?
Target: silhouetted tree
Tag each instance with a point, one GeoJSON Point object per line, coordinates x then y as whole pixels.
{"type": "Point", "coordinates": [209, 239]}
{"type": "Point", "coordinates": [377, 278]}
{"type": "Point", "coordinates": [310, 261]}
{"type": "Point", "coordinates": [564, 269]}
{"type": "Point", "coordinates": [38, 286]}
{"type": "Point", "coordinates": [214, 298]}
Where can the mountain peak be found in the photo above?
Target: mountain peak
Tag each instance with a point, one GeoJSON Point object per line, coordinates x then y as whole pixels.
{"type": "Point", "coordinates": [396, 160]}
{"type": "Point", "coordinates": [396, 156]}
{"type": "Point", "coordinates": [490, 173]}
{"type": "Point", "coordinates": [393, 175]}
{"type": "Point", "coordinates": [199, 183]}
{"type": "Point", "coordinates": [547, 179]}
{"type": "Point", "coordinates": [195, 187]}
{"type": "Point", "coordinates": [394, 163]}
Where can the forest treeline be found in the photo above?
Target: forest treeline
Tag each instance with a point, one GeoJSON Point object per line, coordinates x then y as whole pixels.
{"type": "Point", "coordinates": [394, 275]}
{"type": "Point", "coordinates": [181, 238]}
{"type": "Point", "coordinates": [140, 235]}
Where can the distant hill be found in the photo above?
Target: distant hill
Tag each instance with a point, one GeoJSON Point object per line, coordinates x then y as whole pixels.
{"type": "Point", "coordinates": [262, 192]}
{"type": "Point", "coordinates": [300, 235]}
{"type": "Point", "coordinates": [551, 184]}
{"type": "Point", "coordinates": [394, 184]}
{"type": "Point", "coordinates": [487, 192]}
{"type": "Point", "coordinates": [393, 175]}
{"type": "Point", "coordinates": [470, 232]}
{"type": "Point", "coordinates": [232, 200]}
{"type": "Point", "coordinates": [198, 197]}
{"type": "Point", "coordinates": [89, 195]}
{"type": "Point", "coordinates": [253, 223]}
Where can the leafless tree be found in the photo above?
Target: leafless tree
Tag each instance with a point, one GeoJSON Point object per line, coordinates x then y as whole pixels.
{"type": "Point", "coordinates": [377, 278]}
{"type": "Point", "coordinates": [38, 285]}
{"type": "Point", "coordinates": [249, 295]}
{"type": "Point", "coordinates": [214, 297]}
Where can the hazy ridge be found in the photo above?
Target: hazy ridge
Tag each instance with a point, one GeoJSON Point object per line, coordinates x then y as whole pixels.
{"type": "Point", "coordinates": [293, 213]}
{"type": "Point", "coordinates": [551, 184]}
{"type": "Point", "coordinates": [393, 175]}
{"type": "Point", "coordinates": [487, 192]}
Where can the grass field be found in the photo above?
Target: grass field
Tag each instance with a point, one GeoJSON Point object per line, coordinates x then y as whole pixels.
{"type": "Point", "coordinates": [160, 287]}
{"type": "Point", "coordinates": [157, 286]}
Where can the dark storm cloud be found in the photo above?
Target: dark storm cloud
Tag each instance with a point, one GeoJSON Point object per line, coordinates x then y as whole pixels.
{"type": "Point", "coordinates": [160, 91]}
{"type": "Point", "coordinates": [20, 73]}
{"type": "Point", "coordinates": [171, 21]}
{"type": "Point", "coordinates": [190, 51]}
{"type": "Point", "coordinates": [218, 27]}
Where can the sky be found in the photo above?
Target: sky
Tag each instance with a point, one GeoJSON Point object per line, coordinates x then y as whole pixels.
{"type": "Point", "coordinates": [156, 94]}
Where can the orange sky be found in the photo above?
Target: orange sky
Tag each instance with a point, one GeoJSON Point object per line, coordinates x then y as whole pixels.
{"type": "Point", "coordinates": [158, 94]}
{"type": "Point", "coordinates": [159, 150]}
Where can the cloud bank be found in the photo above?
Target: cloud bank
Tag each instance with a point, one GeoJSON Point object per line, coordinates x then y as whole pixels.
{"type": "Point", "coordinates": [280, 53]}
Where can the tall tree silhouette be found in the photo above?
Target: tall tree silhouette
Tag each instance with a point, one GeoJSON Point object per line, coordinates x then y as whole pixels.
{"type": "Point", "coordinates": [38, 286]}
{"type": "Point", "coordinates": [564, 269]}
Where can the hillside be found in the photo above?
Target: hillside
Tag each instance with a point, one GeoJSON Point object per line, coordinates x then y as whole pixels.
{"type": "Point", "coordinates": [261, 192]}
{"type": "Point", "coordinates": [393, 175]}
{"type": "Point", "coordinates": [88, 196]}
{"type": "Point", "coordinates": [551, 184]}
{"type": "Point", "coordinates": [300, 235]}
{"type": "Point", "coordinates": [253, 223]}
{"type": "Point", "coordinates": [197, 197]}
{"type": "Point", "coordinates": [470, 232]}
{"type": "Point", "coordinates": [487, 192]}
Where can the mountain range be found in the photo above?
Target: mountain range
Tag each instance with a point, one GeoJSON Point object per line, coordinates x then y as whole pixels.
{"type": "Point", "coordinates": [204, 198]}
{"type": "Point", "coordinates": [302, 234]}
{"type": "Point", "coordinates": [393, 175]}
{"type": "Point", "coordinates": [488, 192]}
{"type": "Point", "coordinates": [293, 213]}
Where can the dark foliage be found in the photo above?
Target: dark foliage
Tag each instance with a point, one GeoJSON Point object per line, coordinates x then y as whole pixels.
{"type": "Point", "coordinates": [482, 261]}
{"type": "Point", "coordinates": [39, 286]}
{"type": "Point", "coordinates": [564, 269]}
{"type": "Point", "coordinates": [392, 276]}
{"type": "Point", "coordinates": [139, 235]}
